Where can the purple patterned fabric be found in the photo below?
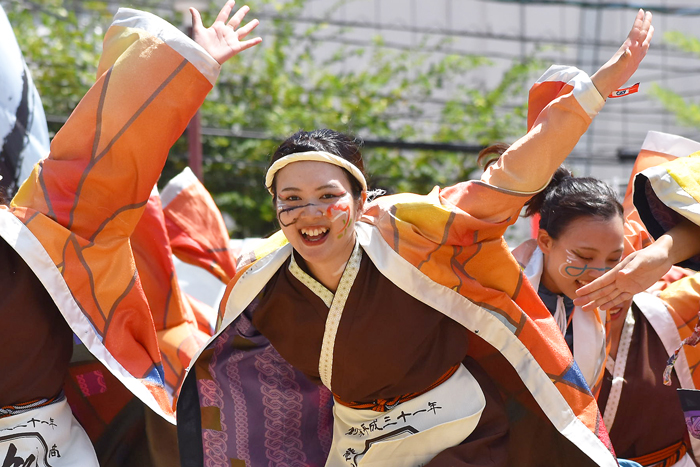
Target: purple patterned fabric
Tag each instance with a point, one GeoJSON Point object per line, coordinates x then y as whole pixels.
{"type": "Point", "coordinates": [269, 413]}
{"type": "Point", "coordinates": [692, 419]}
{"type": "Point", "coordinates": [211, 395]}
{"type": "Point", "coordinates": [91, 383]}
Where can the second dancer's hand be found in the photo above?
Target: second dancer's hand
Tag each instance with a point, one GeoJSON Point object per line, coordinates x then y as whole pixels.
{"type": "Point", "coordinates": [641, 269]}
{"type": "Point", "coordinates": [625, 61]}
{"type": "Point", "coordinates": [634, 274]}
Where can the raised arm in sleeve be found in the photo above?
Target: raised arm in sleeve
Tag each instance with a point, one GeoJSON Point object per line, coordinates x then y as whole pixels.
{"type": "Point", "coordinates": [109, 154]}
{"type": "Point", "coordinates": [568, 101]}
{"type": "Point", "coordinates": [80, 205]}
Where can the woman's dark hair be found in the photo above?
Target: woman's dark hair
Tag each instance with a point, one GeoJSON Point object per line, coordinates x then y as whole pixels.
{"type": "Point", "coordinates": [489, 155]}
{"type": "Point", "coordinates": [329, 141]}
{"type": "Point", "coordinates": [567, 198]}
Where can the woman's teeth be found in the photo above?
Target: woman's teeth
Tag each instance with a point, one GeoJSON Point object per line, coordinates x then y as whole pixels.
{"type": "Point", "coordinates": [314, 232]}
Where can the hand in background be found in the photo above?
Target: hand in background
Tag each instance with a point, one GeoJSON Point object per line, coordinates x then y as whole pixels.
{"type": "Point", "coordinates": [625, 62]}
{"type": "Point", "coordinates": [641, 269]}
{"type": "Point", "coordinates": [222, 40]}
{"type": "Point", "coordinates": [634, 274]}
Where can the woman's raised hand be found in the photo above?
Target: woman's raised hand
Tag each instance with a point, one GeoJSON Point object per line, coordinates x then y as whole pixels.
{"type": "Point", "coordinates": [222, 40]}
{"type": "Point", "coordinates": [641, 269]}
{"type": "Point", "coordinates": [625, 62]}
{"type": "Point", "coordinates": [634, 274]}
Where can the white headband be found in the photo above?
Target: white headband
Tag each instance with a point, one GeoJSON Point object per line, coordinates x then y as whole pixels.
{"type": "Point", "coordinates": [316, 156]}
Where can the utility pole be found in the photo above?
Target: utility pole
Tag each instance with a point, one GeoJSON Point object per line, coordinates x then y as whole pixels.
{"type": "Point", "coordinates": [194, 128]}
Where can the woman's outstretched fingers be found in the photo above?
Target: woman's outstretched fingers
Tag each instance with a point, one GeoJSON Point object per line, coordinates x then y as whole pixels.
{"type": "Point", "coordinates": [645, 33]}
{"type": "Point", "coordinates": [642, 31]}
{"type": "Point", "coordinates": [236, 19]}
{"type": "Point", "coordinates": [225, 11]}
{"type": "Point", "coordinates": [638, 24]}
{"type": "Point", "coordinates": [647, 40]}
{"type": "Point", "coordinates": [245, 30]}
{"type": "Point", "coordinates": [222, 40]}
{"type": "Point", "coordinates": [618, 300]}
{"type": "Point", "coordinates": [196, 19]}
{"type": "Point", "coordinates": [647, 28]}
{"type": "Point", "coordinates": [250, 43]}
{"type": "Point", "coordinates": [598, 297]}
{"type": "Point", "coordinates": [601, 291]}
{"type": "Point", "coordinates": [600, 286]}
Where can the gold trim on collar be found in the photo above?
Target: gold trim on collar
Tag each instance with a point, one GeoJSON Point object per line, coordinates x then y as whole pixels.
{"type": "Point", "coordinates": [315, 286]}
{"type": "Point", "coordinates": [618, 369]}
{"type": "Point", "coordinates": [336, 305]}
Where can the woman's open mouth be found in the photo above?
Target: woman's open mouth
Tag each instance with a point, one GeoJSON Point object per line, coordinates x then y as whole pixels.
{"type": "Point", "coordinates": [615, 313]}
{"type": "Point", "coordinates": [312, 235]}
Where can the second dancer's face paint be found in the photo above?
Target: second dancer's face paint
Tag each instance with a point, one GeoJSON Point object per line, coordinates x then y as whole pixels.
{"type": "Point", "coordinates": [584, 250]}
{"type": "Point", "coordinates": [575, 266]}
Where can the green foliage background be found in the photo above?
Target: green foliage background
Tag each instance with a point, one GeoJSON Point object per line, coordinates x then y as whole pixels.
{"type": "Point", "coordinates": [687, 111]}
{"type": "Point", "coordinates": [293, 81]}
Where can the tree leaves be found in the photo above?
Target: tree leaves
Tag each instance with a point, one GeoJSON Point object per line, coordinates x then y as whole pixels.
{"type": "Point", "coordinates": [686, 111]}
{"type": "Point", "coordinates": [296, 80]}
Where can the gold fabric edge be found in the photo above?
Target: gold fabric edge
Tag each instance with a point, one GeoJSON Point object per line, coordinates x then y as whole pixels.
{"type": "Point", "coordinates": [618, 373]}
{"type": "Point", "coordinates": [325, 363]}
{"type": "Point", "coordinates": [313, 285]}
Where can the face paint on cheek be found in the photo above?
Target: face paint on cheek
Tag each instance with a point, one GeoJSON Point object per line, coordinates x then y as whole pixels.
{"type": "Point", "coordinates": [340, 210]}
{"type": "Point", "coordinates": [572, 267]}
{"type": "Point", "coordinates": [287, 215]}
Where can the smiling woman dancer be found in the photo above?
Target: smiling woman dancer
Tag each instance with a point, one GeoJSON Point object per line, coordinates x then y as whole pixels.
{"type": "Point", "coordinates": [410, 310]}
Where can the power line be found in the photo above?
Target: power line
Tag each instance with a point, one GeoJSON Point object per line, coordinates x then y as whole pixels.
{"type": "Point", "coordinates": [669, 10]}
{"type": "Point", "coordinates": [465, 148]}
{"type": "Point", "coordinates": [460, 33]}
{"type": "Point", "coordinates": [488, 54]}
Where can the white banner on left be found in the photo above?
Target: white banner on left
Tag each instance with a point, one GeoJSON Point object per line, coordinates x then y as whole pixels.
{"type": "Point", "coordinates": [45, 437]}
{"type": "Point", "coordinates": [24, 136]}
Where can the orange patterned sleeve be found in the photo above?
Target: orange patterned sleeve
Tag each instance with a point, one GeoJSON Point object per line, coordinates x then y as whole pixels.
{"type": "Point", "coordinates": [562, 104]}
{"type": "Point", "coordinates": [83, 202]}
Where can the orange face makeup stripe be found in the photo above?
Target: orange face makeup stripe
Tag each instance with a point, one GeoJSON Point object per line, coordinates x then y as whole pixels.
{"type": "Point", "coordinates": [337, 211]}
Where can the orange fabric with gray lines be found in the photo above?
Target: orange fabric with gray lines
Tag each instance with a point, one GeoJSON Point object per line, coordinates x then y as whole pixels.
{"type": "Point", "coordinates": [682, 299]}
{"type": "Point", "coordinates": [179, 337]}
{"type": "Point", "coordinates": [485, 271]}
{"type": "Point", "coordinates": [197, 232]}
{"type": "Point", "coordinates": [83, 202]}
